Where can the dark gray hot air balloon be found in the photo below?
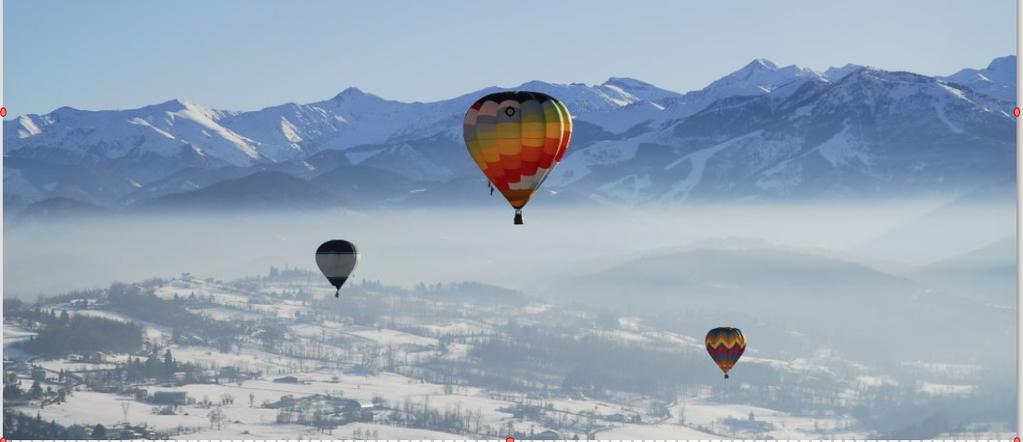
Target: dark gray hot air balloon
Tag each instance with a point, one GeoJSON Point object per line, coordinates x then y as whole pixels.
{"type": "Point", "coordinates": [337, 259]}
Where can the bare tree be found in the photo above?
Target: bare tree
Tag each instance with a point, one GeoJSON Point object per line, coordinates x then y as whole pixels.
{"type": "Point", "coordinates": [217, 418]}
{"type": "Point", "coordinates": [125, 406]}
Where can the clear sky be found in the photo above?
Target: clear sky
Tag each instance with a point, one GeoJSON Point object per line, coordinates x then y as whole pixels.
{"type": "Point", "coordinates": [244, 55]}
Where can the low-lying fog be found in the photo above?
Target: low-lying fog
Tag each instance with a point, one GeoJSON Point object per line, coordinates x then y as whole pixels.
{"type": "Point", "coordinates": [408, 247]}
{"type": "Point", "coordinates": [895, 286]}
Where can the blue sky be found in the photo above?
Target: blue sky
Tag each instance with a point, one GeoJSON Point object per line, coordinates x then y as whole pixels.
{"type": "Point", "coordinates": [244, 55]}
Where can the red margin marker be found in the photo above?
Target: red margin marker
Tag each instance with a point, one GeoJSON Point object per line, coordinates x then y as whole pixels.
{"type": "Point", "coordinates": [3, 113]}
{"type": "Point", "coordinates": [1014, 112]}
{"type": "Point", "coordinates": [1015, 439]}
{"type": "Point", "coordinates": [512, 439]}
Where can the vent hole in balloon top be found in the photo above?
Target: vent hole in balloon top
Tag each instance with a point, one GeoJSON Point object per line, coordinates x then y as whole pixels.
{"type": "Point", "coordinates": [510, 111]}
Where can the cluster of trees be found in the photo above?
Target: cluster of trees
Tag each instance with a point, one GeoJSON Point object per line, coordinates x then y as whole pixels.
{"type": "Point", "coordinates": [158, 368]}
{"type": "Point", "coordinates": [451, 419]}
{"type": "Point", "coordinates": [592, 365]}
{"type": "Point", "coordinates": [359, 434]}
{"type": "Point", "coordinates": [21, 426]}
{"type": "Point", "coordinates": [62, 335]}
{"type": "Point", "coordinates": [13, 392]}
{"type": "Point", "coordinates": [748, 425]}
{"type": "Point", "coordinates": [473, 292]}
{"type": "Point", "coordinates": [902, 412]}
{"type": "Point", "coordinates": [140, 303]}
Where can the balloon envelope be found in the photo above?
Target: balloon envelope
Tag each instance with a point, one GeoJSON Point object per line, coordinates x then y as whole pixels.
{"type": "Point", "coordinates": [337, 259]}
{"type": "Point", "coordinates": [516, 139]}
{"type": "Point", "coordinates": [725, 345]}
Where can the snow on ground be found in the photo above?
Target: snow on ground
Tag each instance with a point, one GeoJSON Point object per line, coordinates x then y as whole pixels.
{"type": "Point", "coordinates": [709, 414]}
{"type": "Point", "coordinates": [396, 433]}
{"type": "Point", "coordinates": [90, 408]}
{"type": "Point", "coordinates": [677, 339]}
{"type": "Point", "coordinates": [587, 406]}
{"type": "Point", "coordinates": [458, 351]}
{"type": "Point", "coordinates": [946, 389]}
{"type": "Point", "coordinates": [621, 336]}
{"type": "Point", "coordinates": [14, 333]}
{"type": "Point", "coordinates": [630, 323]}
{"type": "Point", "coordinates": [361, 388]}
{"type": "Point", "coordinates": [945, 369]}
{"type": "Point", "coordinates": [323, 378]}
{"type": "Point", "coordinates": [308, 330]}
{"type": "Point", "coordinates": [61, 364]}
{"type": "Point", "coordinates": [252, 421]}
{"type": "Point", "coordinates": [261, 431]}
{"type": "Point", "coordinates": [302, 432]}
{"type": "Point", "coordinates": [393, 337]}
{"type": "Point", "coordinates": [185, 288]}
{"type": "Point", "coordinates": [535, 309]}
{"type": "Point", "coordinates": [654, 432]}
{"type": "Point", "coordinates": [872, 381]}
{"type": "Point", "coordinates": [226, 314]}
{"type": "Point", "coordinates": [456, 328]}
{"type": "Point", "coordinates": [152, 332]}
{"type": "Point", "coordinates": [250, 358]}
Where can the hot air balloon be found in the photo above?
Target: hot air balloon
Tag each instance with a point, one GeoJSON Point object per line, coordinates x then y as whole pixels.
{"type": "Point", "coordinates": [336, 259]}
{"type": "Point", "coordinates": [725, 345]}
{"type": "Point", "coordinates": [516, 139]}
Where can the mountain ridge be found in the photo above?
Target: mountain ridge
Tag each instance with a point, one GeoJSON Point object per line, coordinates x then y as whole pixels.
{"type": "Point", "coordinates": [760, 132]}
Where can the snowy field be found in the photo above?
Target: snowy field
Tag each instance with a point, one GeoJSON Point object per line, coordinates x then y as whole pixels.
{"type": "Point", "coordinates": [699, 415]}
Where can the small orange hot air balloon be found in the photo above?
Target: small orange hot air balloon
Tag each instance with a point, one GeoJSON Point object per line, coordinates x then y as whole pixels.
{"type": "Point", "coordinates": [516, 139]}
{"type": "Point", "coordinates": [725, 345]}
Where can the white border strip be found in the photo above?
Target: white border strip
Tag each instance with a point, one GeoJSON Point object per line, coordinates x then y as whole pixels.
{"type": "Point", "coordinates": [560, 440]}
{"type": "Point", "coordinates": [1019, 235]}
{"type": "Point", "coordinates": [1, 199]}
{"type": "Point", "coordinates": [1019, 231]}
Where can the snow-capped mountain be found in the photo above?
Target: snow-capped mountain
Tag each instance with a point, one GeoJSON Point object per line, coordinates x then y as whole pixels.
{"type": "Point", "coordinates": [997, 80]}
{"type": "Point", "coordinates": [166, 129]}
{"type": "Point", "coordinates": [761, 132]}
{"type": "Point", "coordinates": [872, 133]}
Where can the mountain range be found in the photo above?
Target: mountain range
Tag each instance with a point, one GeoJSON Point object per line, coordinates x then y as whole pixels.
{"type": "Point", "coordinates": [762, 133]}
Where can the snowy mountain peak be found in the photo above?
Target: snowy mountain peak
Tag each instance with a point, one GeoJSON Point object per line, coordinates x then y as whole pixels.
{"type": "Point", "coordinates": [351, 93]}
{"type": "Point", "coordinates": [762, 63]}
{"type": "Point", "coordinates": [623, 121]}
{"type": "Point", "coordinates": [540, 85]}
{"type": "Point", "coordinates": [838, 73]}
{"type": "Point", "coordinates": [997, 80]}
{"type": "Point", "coordinates": [627, 83]}
{"type": "Point", "coordinates": [175, 103]}
{"type": "Point", "coordinates": [759, 77]}
{"type": "Point", "coordinates": [1003, 64]}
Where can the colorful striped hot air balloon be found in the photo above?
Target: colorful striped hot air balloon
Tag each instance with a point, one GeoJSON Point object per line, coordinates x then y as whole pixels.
{"type": "Point", "coordinates": [516, 139]}
{"type": "Point", "coordinates": [725, 345]}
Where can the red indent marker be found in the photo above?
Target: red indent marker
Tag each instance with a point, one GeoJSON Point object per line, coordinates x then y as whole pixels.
{"type": "Point", "coordinates": [1014, 112]}
{"type": "Point", "coordinates": [1015, 439]}
{"type": "Point", "coordinates": [512, 439]}
{"type": "Point", "coordinates": [3, 113]}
